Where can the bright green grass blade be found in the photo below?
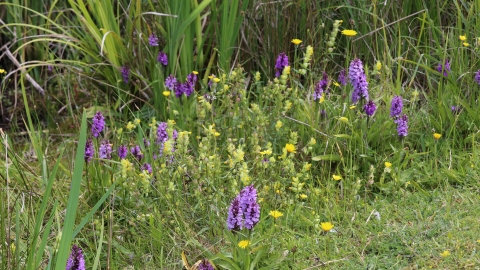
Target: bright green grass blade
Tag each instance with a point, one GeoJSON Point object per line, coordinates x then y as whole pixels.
{"type": "Point", "coordinates": [99, 248]}
{"type": "Point", "coordinates": [72, 204]}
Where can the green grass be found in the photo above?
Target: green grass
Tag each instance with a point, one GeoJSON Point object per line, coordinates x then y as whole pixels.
{"type": "Point", "coordinates": [234, 133]}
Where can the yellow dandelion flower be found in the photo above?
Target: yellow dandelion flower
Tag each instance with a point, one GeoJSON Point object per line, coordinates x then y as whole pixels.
{"type": "Point", "coordinates": [326, 226]}
{"type": "Point", "coordinates": [437, 136]}
{"type": "Point", "coordinates": [216, 134]}
{"type": "Point", "coordinates": [462, 38]}
{"type": "Point", "coordinates": [290, 148]}
{"type": "Point", "coordinates": [349, 33]}
{"type": "Point", "coordinates": [466, 44]}
{"type": "Point", "coordinates": [296, 41]}
{"type": "Point", "coordinates": [195, 72]}
{"type": "Point", "coordinates": [303, 196]}
{"type": "Point", "coordinates": [378, 66]}
{"type": "Point", "coordinates": [444, 254]}
{"type": "Point", "coordinates": [216, 80]}
{"type": "Point", "coordinates": [244, 244]}
{"type": "Point", "coordinates": [388, 164]}
{"type": "Point", "coordinates": [343, 119]}
{"type": "Point", "coordinates": [275, 214]}
{"type": "Point", "coordinates": [337, 177]}
{"type": "Point", "coordinates": [2, 70]}
{"type": "Point", "coordinates": [166, 93]}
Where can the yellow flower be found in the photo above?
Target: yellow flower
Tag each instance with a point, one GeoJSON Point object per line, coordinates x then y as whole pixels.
{"type": "Point", "coordinates": [130, 126]}
{"type": "Point", "coordinates": [444, 254]}
{"type": "Point", "coordinates": [278, 125]}
{"type": "Point", "coordinates": [343, 119]}
{"type": "Point", "coordinates": [353, 107]}
{"type": "Point", "coordinates": [478, 241]}
{"type": "Point", "coordinates": [195, 72]}
{"type": "Point", "coordinates": [378, 65]}
{"type": "Point", "coordinates": [337, 177]}
{"type": "Point", "coordinates": [216, 134]}
{"type": "Point", "coordinates": [286, 70]}
{"type": "Point", "coordinates": [166, 93]}
{"type": "Point", "coordinates": [244, 244]}
{"type": "Point", "coordinates": [437, 136]}
{"type": "Point", "coordinates": [388, 164]}
{"type": "Point", "coordinates": [336, 84]}
{"type": "Point", "coordinates": [463, 38]}
{"type": "Point", "coordinates": [466, 44]}
{"type": "Point", "coordinates": [216, 80]}
{"type": "Point", "coordinates": [257, 76]}
{"type": "Point", "coordinates": [275, 214]}
{"type": "Point", "coordinates": [349, 33]}
{"type": "Point", "coordinates": [296, 41]}
{"type": "Point", "coordinates": [290, 148]}
{"type": "Point", "coordinates": [322, 98]}
{"type": "Point", "coordinates": [303, 196]}
{"type": "Point", "coordinates": [326, 226]}
{"type": "Point", "coordinates": [2, 70]}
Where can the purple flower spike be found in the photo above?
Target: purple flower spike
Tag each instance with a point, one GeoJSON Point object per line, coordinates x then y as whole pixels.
{"type": "Point", "coordinates": [89, 150]}
{"type": "Point", "coordinates": [342, 79]}
{"type": "Point", "coordinates": [137, 152]}
{"type": "Point", "coordinates": [105, 150]}
{"type": "Point", "coordinates": [122, 152]}
{"type": "Point", "coordinates": [244, 210]}
{"type": "Point", "coordinates": [170, 82]}
{"type": "Point", "coordinates": [370, 108]}
{"type": "Point", "coordinates": [76, 260]}
{"type": "Point", "coordinates": [153, 40]}
{"type": "Point", "coordinates": [125, 73]}
{"type": "Point", "coordinates": [162, 58]}
{"type": "Point", "coordinates": [162, 135]}
{"type": "Point", "coordinates": [205, 265]}
{"type": "Point", "coordinates": [282, 62]}
{"type": "Point", "coordinates": [402, 125]}
{"type": "Point", "coordinates": [321, 87]}
{"type": "Point", "coordinates": [178, 89]}
{"type": "Point", "coordinates": [147, 167]}
{"type": "Point", "coordinates": [397, 107]}
{"type": "Point", "coordinates": [446, 69]}
{"type": "Point", "coordinates": [477, 77]}
{"type": "Point", "coordinates": [359, 81]}
{"type": "Point", "coordinates": [98, 124]}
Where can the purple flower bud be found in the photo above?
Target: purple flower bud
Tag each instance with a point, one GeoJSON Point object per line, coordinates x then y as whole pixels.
{"type": "Point", "coordinates": [122, 152]}
{"type": "Point", "coordinates": [446, 69]}
{"type": "Point", "coordinates": [396, 107]}
{"type": "Point", "coordinates": [205, 265]}
{"type": "Point", "coordinates": [89, 150]}
{"type": "Point", "coordinates": [125, 73]}
{"type": "Point", "coordinates": [76, 260]}
{"type": "Point", "coordinates": [455, 109]}
{"type": "Point", "coordinates": [137, 152]}
{"type": "Point", "coordinates": [281, 63]}
{"type": "Point", "coordinates": [321, 87]}
{"type": "Point", "coordinates": [153, 40]}
{"type": "Point", "coordinates": [170, 82]}
{"type": "Point", "coordinates": [105, 150]}
{"type": "Point", "coordinates": [162, 58]}
{"type": "Point", "coordinates": [359, 81]}
{"type": "Point", "coordinates": [402, 125]}
{"type": "Point", "coordinates": [477, 77]}
{"type": "Point", "coordinates": [98, 124]}
{"type": "Point", "coordinates": [342, 79]}
{"type": "Point", "coordinates": [147, 167]}
{"type": "Point", "coordinates": [370, 108]}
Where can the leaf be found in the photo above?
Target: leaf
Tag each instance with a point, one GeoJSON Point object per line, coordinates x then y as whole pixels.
{"type": "Point", "coordinates": [331, 157]}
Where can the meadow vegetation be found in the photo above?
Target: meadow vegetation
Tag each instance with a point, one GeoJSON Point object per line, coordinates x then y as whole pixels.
{"type": "Point", "coordinates": [236, 134]}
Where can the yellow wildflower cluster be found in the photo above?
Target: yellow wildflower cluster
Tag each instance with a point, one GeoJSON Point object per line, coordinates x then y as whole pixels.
{"type": "Point", "coordinates": [306, 60]}
{"type": "Point", "coordinates": [127, 166]}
